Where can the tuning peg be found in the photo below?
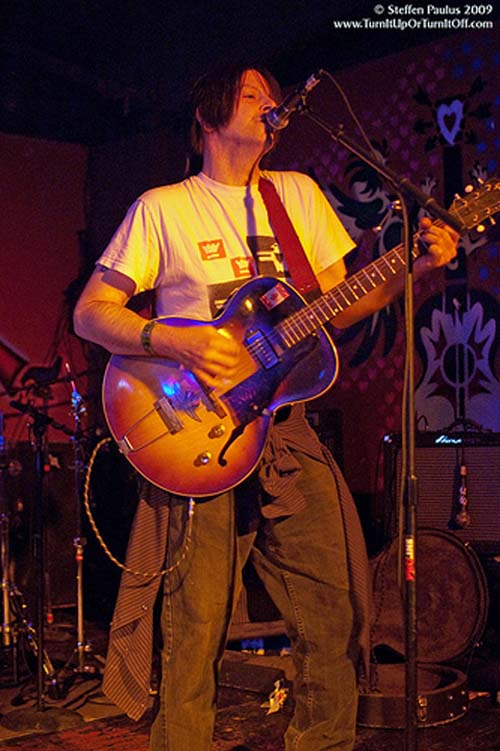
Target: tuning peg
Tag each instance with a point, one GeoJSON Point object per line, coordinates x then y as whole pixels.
{"type": "Point", "coordinates": [480, 228]}
{"type": "Point", "coordinates": [469, 188]}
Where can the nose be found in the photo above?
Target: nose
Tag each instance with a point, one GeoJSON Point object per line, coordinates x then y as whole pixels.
{"type": "Point", "coordinates": [267, 103]}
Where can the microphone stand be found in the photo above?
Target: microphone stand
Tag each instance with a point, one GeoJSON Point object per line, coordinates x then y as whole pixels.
{"type": "Point", "coordinates": [402, 185]}
{"type": "Point", "coordinates": [41, 717]}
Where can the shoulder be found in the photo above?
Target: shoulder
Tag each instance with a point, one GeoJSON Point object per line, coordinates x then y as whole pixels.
{"type": "Point", "coordinates": [155, 198]}
{"type": "Point", "coordinates": [289, 178]}
{"type": "Point", "coordinates": [290, 184]}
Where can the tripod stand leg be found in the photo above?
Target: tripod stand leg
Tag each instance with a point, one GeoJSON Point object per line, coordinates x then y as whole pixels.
{"type": "Point", "coordinates": [26, 630]}
{"type": "Point", "coordinates": [5, 562]}
{"type": "Point", "coordinates": [84, 662]}
{"type": "Point", "coordinates": [9, 634]}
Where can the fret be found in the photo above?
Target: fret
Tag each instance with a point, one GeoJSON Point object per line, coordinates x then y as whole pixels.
{"type": "Point", "coordinates": [331, 311]}
{"type": "Point", "coordinates": [352, 289]}
{"type": "Point", "coordinates": [286, 334]}
{"type": "Point", "coordinates": [399, 253]}
{"type": "Point", "coordinates": [389, 266]}
{"type": "Point", "coordinates": [303, 326]}
{"type": "Point", "coordinates": [370, 280]}
{"type": "Point", "coordinates": [293, 333]}
{"type": "Point", "coordinates": [306, 321]}
{"type": "Point", "coordinates": [340, 292]}
{"type": "Point", "coordinates": [358, 283]}
{"type": "Point", "coordinates": [312, 315]}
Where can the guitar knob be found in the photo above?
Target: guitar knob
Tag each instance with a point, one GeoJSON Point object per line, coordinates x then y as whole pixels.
{"type": "Point", "coordinates": [217, 431]}
{"type": "Point", "coordinates": [203, 458]}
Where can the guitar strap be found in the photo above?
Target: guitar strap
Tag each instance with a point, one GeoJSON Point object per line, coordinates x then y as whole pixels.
{"type": "Point", "coordinates": [298, 264]}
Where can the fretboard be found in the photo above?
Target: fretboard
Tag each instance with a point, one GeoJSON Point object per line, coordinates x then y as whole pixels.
{"type": "Point", "coordinates": [307, 320]}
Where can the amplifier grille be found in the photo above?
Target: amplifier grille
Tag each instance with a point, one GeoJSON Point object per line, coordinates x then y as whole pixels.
{"type": "Point", "coordinates": [438, 471]}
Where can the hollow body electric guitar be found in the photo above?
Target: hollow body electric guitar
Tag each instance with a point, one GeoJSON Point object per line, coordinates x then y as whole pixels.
{"type": "Point", "coordinates": [196, 441]}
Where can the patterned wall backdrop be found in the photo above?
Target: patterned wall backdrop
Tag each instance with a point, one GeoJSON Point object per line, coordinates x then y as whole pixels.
{"type": "Point", "coordinates": [432, 115]}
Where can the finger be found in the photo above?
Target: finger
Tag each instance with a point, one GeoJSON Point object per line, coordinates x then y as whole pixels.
{"type": "Point", "coordinates": [425, 222]}
{"type": "Point", "coordinates": [228, 343]}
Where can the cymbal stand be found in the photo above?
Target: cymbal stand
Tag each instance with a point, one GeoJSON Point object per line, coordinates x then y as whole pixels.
{"type": "Point", "coordinates": [84, 662]}
{"type": "Point", "coordinates": [41, 716]}
{"type": "Point", "coordinates": [15, 619]}
{"type": "Point", "coordinates": [9, 642]}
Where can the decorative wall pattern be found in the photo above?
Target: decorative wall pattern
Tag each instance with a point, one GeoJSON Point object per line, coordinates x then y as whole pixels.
{"type": "Point", "coordinates": [433, 115]}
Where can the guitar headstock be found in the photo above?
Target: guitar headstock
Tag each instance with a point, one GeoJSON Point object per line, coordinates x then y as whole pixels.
{"type": "Point", "coordinates": [476, 210]}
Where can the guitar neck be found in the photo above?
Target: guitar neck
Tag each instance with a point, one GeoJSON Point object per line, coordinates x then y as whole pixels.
{"type": "Point", "coordinates": [477, 206]}
{"type": "Point", "coordinates": [306, 321]}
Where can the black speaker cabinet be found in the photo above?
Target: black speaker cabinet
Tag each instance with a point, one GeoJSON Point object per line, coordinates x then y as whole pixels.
{"type": "Point", "coordinates": [439, 457]}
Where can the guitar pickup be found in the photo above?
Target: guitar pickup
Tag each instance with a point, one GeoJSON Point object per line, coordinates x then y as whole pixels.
{"type": "Point", "coordinates": [168, 414]}
{"type": "Point", "coordinates": [261, 349]}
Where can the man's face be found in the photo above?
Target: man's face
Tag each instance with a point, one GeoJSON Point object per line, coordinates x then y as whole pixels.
{"type": "Point", "coordinates": [253, 100]}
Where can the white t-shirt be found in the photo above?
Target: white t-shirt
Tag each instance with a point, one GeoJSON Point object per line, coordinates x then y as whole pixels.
{"type": "Point", "coordinates": [197, 241]}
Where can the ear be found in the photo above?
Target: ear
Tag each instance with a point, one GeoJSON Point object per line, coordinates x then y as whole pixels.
{"type": "Point", "coordinates": [203, 125]}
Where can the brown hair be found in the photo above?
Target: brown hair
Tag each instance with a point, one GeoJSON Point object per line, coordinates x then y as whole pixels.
{"type": "Point", "coordinates": [214, 96]}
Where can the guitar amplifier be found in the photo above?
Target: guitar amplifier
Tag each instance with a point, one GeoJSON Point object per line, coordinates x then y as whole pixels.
{"type": "Point", "coordinates": [439, 457]}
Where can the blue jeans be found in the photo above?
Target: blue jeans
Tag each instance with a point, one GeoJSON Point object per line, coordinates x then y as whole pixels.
{"type": "Point", "coordinates": [301, 560]}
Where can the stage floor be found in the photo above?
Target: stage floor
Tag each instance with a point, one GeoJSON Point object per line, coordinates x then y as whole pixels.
{"type": "Point", "coordinates": [82, 719]}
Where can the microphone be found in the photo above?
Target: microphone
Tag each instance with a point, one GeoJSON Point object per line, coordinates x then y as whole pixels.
{"type": "Point", "coordinates": [463, 518]}
{"type": "Point", "coordinates": [277, 117]}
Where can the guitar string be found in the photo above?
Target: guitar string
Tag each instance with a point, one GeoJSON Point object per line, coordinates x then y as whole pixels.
{"type": "Point", "coordinates": [303, 322]}
{"type": "Point", "coordinates": [303, 317]}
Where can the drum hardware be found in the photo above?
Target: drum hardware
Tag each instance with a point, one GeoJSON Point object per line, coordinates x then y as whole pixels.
{"type": "Point", "coordinates": [82, 662]}
{"type": "Point", "coordinates": [40, 716]}
{"type": "Point", "coordinates": [17, 633]}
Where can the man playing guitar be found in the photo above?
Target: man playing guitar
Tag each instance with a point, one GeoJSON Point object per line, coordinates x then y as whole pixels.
{"type": "Point", "coordinates": [194, 243]}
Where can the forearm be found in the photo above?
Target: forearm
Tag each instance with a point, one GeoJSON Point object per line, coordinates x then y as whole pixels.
{"type": "Point", "coordinates": [442, 248]}
{"type": "Point", "coordinates": [204, 349]}
{"type": "Point", "coordinates": [371, 302]}
{"type": "Point", "coordinates": [110, 325]}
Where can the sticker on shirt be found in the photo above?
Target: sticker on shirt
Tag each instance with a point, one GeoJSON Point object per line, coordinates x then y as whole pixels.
{"type": "Point", "coordinates": [269, 259]}
{"type": "Point", "coordinates": [212, 250]}
{"type": "Point", "coordinates": [243, 267]}
{"type": "Point", "coordinates": [274, 296]}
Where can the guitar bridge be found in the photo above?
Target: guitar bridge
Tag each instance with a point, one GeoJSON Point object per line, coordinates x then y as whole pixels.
{"type": "Point", "coordinates": [124, 446]}
{"type": "Point", "coordinates": [168, 414]}
{"type": "Point", "coordinates": [210, 401]}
